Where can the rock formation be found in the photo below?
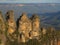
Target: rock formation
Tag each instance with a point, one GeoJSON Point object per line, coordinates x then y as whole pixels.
{"type": "Point", "coordinates": [2, 23]}
{"type": "Point", "coordinates": [28, 28]}
{"type": "Point", "coordinates": [11, 25]}
{"type": "Point", "coordinates": [43, 31]}
{"type": "Point", "coordinates": [24, 27]}
{"type": "Point", "coordinates": [35, 26]}
{"type": "Point", "coordinates": [2, 30]}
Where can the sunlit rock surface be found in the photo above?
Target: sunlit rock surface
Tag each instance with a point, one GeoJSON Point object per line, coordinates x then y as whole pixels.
{"type": "Point", "coordinates": [11, 25]}
{"type": "Point", "coordinates": [2, 30]}
{"type": "Point", "coordinates": [26, 31]}
{"type": "Point", "coordinates": [24, 27]}
{"type": "Point", "coordinates": [28, 28]}
{"type": "Point", "coordinates": [35, 26]}
{"type": "Point", "coordinates": [2, 23]}
{"type": "Point", "coordinates": [43, 31]}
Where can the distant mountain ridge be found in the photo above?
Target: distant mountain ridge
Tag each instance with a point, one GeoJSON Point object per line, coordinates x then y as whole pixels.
{"type": "Point", "coordinates": [49, 19]}
{"type": "Point", "coordinates": [52, 19]}
{"type": "Point", "coordinates": [49, 13]}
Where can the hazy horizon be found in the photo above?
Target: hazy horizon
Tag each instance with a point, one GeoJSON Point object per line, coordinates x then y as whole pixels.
{"type": "Point", "coordinates": [30, 1]}
{"type": "Point", "coordinates": [49, 12]}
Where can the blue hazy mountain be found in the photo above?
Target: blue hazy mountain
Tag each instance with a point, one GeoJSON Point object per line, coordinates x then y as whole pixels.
{"type": "Point", "coordinates": [49, 12]}
{"type": "Point", "coordinates": [51, 19]}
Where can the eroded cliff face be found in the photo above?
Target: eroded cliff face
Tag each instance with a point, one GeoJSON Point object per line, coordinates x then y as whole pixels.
{"type": "Point", "coordinates": [2, 30]}
{"type": "Point", "coordinates": [28, 28]}
{"type": "Point", "coordinates": [2, 23]}
{"type": "Point", "coordinates": [24, 27]}
{"type": "Point", "coordinates": [11, 25]}
{"type": "Point", "coordinates": [35, 26]}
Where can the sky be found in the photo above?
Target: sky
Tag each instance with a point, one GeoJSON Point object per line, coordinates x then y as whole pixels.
{"type": "Point", "coordinates": [29, 1]}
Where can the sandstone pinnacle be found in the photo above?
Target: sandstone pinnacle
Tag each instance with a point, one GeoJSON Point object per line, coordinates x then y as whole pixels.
{"type": "Point", "coordinates": [11, 25]}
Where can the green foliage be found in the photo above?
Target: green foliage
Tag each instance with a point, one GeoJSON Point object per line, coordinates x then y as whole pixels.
{"type": "Point", "coordinates": [0, 41]}
{"type": "Point", "coordinates": [44, 38]}
{"type": "Point", "coordinates": [33, 42]}
{"type": "Point", "coordinates": [1, 32]}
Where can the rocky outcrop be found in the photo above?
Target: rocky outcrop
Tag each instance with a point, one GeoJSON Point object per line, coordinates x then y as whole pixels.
{"type": "Point", "coordinates": [2, 23]}
{"type": "Point", "coordinates": [24, 27]}
{"type": "Point", "coordinates": [11, 25]}
{"type": "Point", "coordinates": [43, 31]}
{"type": "Point", "coordinates": [35, 26]}
{"type": "Point", "coordinates": [2, 30]}
{"type": "Point", "coordinates": [28, 28]}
